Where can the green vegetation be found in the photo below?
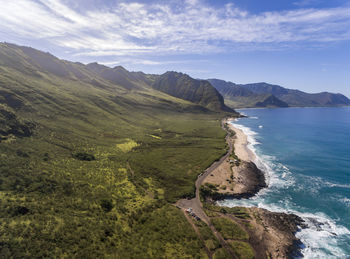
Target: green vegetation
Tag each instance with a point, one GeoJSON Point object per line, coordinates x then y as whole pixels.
{"type": "Point", "coordinates": [229, 229]}
{"type": "Point", "coordinates": [239, 212]}
{"type": "Point", "coordinates": [242, 249]}
{"type": "Point", "coordinates": [196, 91]}
{"type": "Point", "coordinates": [231, 132]}
{"type": "Point", "coordinates": [12, 126]}
{"type": "Point", "coordinates": [84, 156]}
{"type": "Point", "coordinates": [209, 190]}
{"type": "Point", "coordinates": [210, 240]}
{"type": "Point", "coordinates": [127, 146]}
{"type": "Point", "coordinates": [221, 254]}
{"type": "Point", "coordinates": [89, 181]}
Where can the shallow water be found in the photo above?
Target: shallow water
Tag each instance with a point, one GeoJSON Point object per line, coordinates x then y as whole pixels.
{"type": "Point", "coordinates": [305, 153]}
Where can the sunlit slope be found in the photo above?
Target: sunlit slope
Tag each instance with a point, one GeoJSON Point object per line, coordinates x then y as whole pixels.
{"type": "Point", "coordinates": [197, 91]}
{"type": "Point", "coordinates": [89, 168]}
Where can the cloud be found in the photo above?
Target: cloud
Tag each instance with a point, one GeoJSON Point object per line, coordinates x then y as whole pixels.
{"type": "Point", "coordinates": [138, 61]}
{"type": "Point", "coordinates": [188, 26]}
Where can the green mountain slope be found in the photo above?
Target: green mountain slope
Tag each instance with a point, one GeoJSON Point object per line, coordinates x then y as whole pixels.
{"type": "Point", "coordinates": [91, 162]}
{"type": "Point", "coordinates": [197, 91]}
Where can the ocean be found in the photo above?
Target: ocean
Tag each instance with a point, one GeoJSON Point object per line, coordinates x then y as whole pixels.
{"type": "Point", "coordinates": [305, 153]}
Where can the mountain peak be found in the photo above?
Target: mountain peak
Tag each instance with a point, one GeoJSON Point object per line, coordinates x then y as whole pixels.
{"type": "Point", "coordinates": [185, 87]}
{"type": "Point", "coordinates": [120, 68]}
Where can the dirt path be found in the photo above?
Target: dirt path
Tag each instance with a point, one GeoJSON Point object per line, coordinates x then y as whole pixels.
{"type": "Point", "coordinates": [196, 204]}
{"type": "Point", "coordinates": [210, 255]}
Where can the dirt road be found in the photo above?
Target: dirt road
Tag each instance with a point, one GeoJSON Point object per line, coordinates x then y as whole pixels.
{"type": "Point", "coordinates": [196, 204]}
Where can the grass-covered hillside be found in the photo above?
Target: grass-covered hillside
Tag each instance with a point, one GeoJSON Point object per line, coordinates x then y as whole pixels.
{"type": "Point", "coordinates": [197, 91]}
{"type": "Point", "coordinates": [91, 162]}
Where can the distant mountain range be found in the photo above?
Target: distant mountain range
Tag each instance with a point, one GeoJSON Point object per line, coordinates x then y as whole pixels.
{"type": "Point", "coordinates": [268, 95]}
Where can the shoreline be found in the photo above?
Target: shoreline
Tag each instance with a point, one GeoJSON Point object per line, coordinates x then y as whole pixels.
{"type": "Point", "coordinates": [238, 176]}
{"type": "Point", "coordinates": [270, 234]}
{"type": "Point", "coordinates": [241, 143]}
{"type": "Point", "coordinates": [274, 232]}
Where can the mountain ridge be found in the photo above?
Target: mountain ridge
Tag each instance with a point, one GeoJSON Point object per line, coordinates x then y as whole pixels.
{"type": "Point", "coordinates": [254, 95]}
{"type": "Point", "coordinates": [36, 63]}
{"type": "Point", "coordinates": [194, 90]}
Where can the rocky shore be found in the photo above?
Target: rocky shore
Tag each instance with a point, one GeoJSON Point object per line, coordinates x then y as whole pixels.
{"type": "Point", "coordinates": [236, 181]}
{"type": "Point", "coordinates": [272, 234]}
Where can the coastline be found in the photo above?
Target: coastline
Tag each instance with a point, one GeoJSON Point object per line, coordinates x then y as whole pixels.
{"type": "Point", "coordinates": [274, 233]}
{"type": "Point", "coordinates": [241, 148]}
{"type": "Point", "coordinates": [264, 234]}
{"type": "Point", "coordinates": [238, 176]}
{"type": "Point", "coordinates": [319, 226]}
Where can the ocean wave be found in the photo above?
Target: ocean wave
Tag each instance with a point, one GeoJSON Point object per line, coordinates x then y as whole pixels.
{"type": "Point", "coordinates": [323, 234]}
{"type": "Point", "coordinates": [318, 183]}
{"type": "Point", "coordinates": [338, 185]}
{"type": "Point", "coordinates": [267, 164]}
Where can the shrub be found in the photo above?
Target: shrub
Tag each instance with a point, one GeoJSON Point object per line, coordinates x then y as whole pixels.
{"type": "Point", "coordinates": [242, 249]}
{"type": "Point", "coordinates": [229, 229]}
{"type": "Point", "coordinates": [84, 156]}
{"type": "Point", "coordinates": [106, 205]}
{"type": "Point", "coordinates": [221, 254]}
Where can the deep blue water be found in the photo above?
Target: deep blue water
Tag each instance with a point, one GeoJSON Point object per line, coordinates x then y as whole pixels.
{"type": "Point", "coordinates": [305, 153]}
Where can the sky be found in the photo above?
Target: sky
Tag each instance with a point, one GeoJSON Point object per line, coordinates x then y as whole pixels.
{"type": "Point", "coordinates": [299, 44]}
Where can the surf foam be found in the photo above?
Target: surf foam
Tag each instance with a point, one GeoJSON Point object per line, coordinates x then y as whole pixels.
{"type": "Point", "coordinates": [322, 236]}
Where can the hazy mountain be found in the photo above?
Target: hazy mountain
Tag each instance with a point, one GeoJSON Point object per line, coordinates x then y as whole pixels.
{"type": "Point", "coordinates": [299, 98]}
{"type": "Point", "coordinates": [238, 96]}
{"type": "Point", "coordinates": [254, 95]}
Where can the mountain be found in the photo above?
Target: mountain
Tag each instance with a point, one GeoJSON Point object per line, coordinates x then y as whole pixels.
{"type": "Point", "coordinates": [265, 95]}
{"type": "Point", "coordinates": [299, 98]}
{"type": "Point", "coordinates": [120, 76]}
{"type": "Point", "coordinates": [99, 151]}
{"type": "Point", "coordinates": [239, 96]}
{"type": "Point", "coordinates": [270, 101]}
{"type": "Point", "coordinates": [179, 85]}
{"type": "Point", "coordinates": [197, 91]}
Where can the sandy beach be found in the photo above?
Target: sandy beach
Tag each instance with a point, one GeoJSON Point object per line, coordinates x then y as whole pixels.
{"type": "Point", "coordinates": [241, 144]}
{"type": "Point", "coordinates": [237, 178]}
{"type": "Point", "coordinates": [271, 234]}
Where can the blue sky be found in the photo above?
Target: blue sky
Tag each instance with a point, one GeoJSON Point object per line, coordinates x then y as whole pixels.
{"type": "Point", "coordinates": [300, 44]}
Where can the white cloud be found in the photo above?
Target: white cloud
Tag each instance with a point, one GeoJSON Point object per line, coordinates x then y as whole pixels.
{"type": "Point", "coordinates": [186, 27]}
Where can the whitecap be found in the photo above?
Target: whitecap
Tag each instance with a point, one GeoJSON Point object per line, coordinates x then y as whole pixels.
{"type": "Point", "coordinates": [322, 235]}
{"type": "Point", "coordinates": [266, 163]}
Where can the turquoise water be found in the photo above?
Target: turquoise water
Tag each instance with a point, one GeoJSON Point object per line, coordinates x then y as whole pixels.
{"type": "Point", "coordinates": [305, 153]}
